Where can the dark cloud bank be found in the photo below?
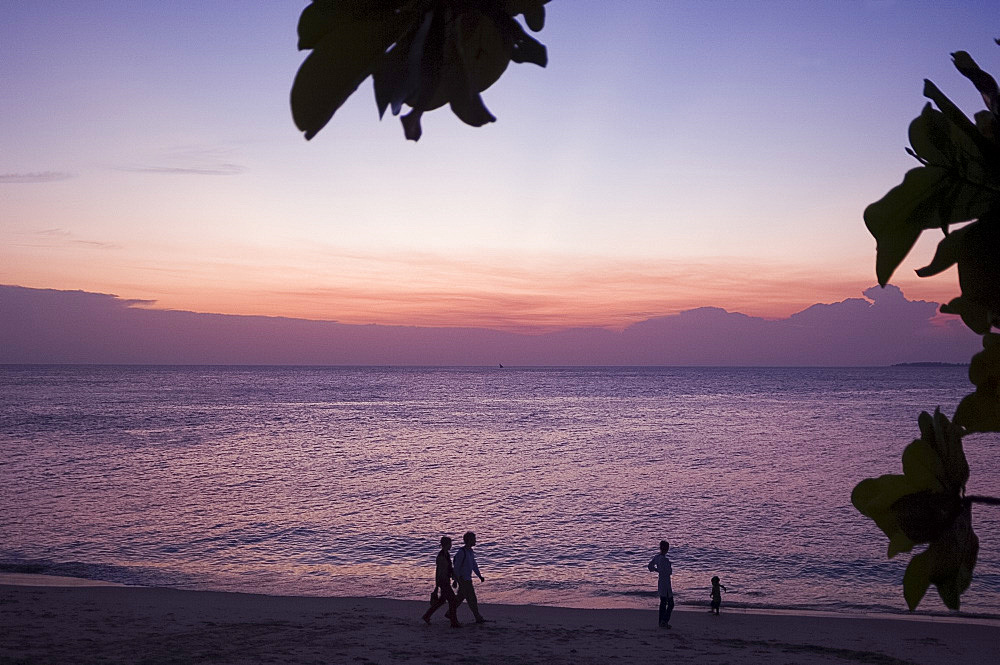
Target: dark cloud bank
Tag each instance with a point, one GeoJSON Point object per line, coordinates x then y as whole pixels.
{"type": "Point", "coordinates": [48, 326]}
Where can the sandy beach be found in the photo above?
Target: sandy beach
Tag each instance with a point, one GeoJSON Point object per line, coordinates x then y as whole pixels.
{"type": "Point", "coordinates": [109, 624]}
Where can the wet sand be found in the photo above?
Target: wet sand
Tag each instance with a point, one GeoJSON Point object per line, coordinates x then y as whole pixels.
{"type": "Point", "coordinates": [114, 624]}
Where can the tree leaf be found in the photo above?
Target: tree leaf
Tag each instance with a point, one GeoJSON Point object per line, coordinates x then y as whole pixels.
{"type": "Point", "coordinates": [980, 411]}
{"type": "Point", "coordinates": [477, 57]}
{"type": "Point", "coordinates": [922, 466]}
{"type": "Point", "coordinates": [985, 84]}
{"type": "Point", "coordinates": [525, 47]}
{"type": "Point", "coordinates": [985, 365]}
{"type": "Point", "coordinates": [956, 117]}
{"type": "Point", "coordinates": [483, 53]}
{"type": "Point", "coordinates": [341, 60]}
{"type": "Point", "coordinates": [316, 21]}
{"type": "Point", "coordinates": [515, 7]}
{"type": "Point", "coordinates": [535, 18]}
{"type": "Point", "coordinates": [390, 82]}
{"type": "Point", "coordinates": [923, 503]}
{"type": "Point", "coordinates": [946, 254]}
{"type": "Point", "coordinates": [953, 558]}
{"type": "Point", "coordinates": [947, 563]}
{"type": "Point", "coordinates": [929, 197]}
{"type": "Point", "coordinates": [979, 262]}
{"type": "Point", "coordinates": [897, 219]}
{"type": "Point", "coordinates": [957, 183]}
{"type": "Point", "coordinates": [930, 138]}
{"type": "Point", "coordinates": [986, 123]}
{"type": "Point", "coordinates": [873, 497]}
{"type": "Point", "coordinates": [429, 67]}
{"type": "Point", "coordinates": [471, 110]}
{"type": "Point", "coordinates": [974, 315]}
{"type": "Point", "coordinates": [924, 516]}
{"type": "Point", "coordinates": [411, 125]}
{"type": "Point", "coordinates": [950, 141]}
{"type": "Point", "coordinates": [925, 423]}
{"type": "Point", "coordinates": [899, 542]}
{"type": "Point", "coordinates": [946, 439]}
{"type": "Point", "coordinates": [323, 16]}
{"type": "Point", "coordinates": [917, 579]}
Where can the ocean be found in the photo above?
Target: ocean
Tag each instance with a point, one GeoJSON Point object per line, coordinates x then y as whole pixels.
{"type": "Point", "coordinates": [341, 480]}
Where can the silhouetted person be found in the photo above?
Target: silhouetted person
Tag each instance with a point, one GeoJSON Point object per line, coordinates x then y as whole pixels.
{"type": "Point", "coordinates": [661, 564]}
{"type": "Point", "coordinates": [443, 575]}
{"type": "Point", "coordinates": [465, 566]}
{"type": "Point", "coordinates": [717, 590]}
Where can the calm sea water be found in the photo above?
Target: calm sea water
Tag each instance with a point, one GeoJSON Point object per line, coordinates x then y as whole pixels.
{"type": "Point", "coordinates": [339, 481]}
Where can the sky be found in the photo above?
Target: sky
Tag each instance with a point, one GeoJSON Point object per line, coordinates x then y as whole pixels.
{"type": "Point", "coordinates": [672, 156]}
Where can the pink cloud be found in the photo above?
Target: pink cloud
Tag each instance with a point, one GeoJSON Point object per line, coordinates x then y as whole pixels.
{"type": "Point", "coordinates": [48, 326]}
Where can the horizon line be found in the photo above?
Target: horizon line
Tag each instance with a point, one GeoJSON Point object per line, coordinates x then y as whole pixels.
{"type": "Point", "coordinates": [915, 365]}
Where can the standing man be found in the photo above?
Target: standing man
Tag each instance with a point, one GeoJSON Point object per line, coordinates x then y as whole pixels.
{"type": "Point", "coordinates": [465, 565]}
{"type": "Point", "coordinates": [661, 564]}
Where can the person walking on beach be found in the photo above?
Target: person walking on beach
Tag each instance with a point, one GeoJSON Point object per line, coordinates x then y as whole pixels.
{"type": "Point", "coordinates": [717, 590]}
{"type": "Point", "coordinates": [443, 576]}
{"type": "Point", "coordinates": [465, 566]}
{"type": "Point", "coordinates": [661, 564]}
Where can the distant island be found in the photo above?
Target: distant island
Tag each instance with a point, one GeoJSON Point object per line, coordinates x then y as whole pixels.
{"type": "Point", "coordinates": [930, 364]}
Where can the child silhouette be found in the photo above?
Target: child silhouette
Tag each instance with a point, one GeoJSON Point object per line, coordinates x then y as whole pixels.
{"type": "Point", "coordinates": [717, 590]}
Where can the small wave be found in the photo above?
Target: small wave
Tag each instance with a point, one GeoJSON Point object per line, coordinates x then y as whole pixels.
{"type": "Point", "coordinates": [128, 575]}
{"type": "Point", "coordinates": [638, 594]}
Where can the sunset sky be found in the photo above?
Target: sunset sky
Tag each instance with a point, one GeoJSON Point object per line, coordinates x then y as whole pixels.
{"type": "Point", "coordinates": [673, 155]}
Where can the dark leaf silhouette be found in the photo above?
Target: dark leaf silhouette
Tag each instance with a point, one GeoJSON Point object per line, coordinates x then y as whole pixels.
{"type": "Point", "coordinates": [985, 84]}
{"type": "Point", "coordinates": [980, 411]}
{"type": "Point", "coordinates": [348, 39]}
{"type": "Point", "coordinates": [926, 504]}
{"type": "Point", "coordinates": [958, 181]}
{"type": "Point", "coordinates": [420, 53]}
{"type": "Point", "coordinates": [947, 564]}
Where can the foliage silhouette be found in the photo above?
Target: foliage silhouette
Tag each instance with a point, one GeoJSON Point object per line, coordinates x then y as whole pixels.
{"type": "Point", "coordinates": [958, 181]}
{"type": "Point", "coordinates": [421, 53]}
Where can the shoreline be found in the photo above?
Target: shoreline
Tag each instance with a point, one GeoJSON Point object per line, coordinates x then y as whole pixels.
{"type": "Point", "coordinates": [118, 624]}
{"type": "Point", "coordinates": [41, 579]}
{"type": "Point", "coordinates": [46, 580]}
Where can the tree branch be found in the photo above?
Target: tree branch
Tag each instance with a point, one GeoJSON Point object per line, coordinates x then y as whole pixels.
{"type": "Point", "coordinates": [988, 500]}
